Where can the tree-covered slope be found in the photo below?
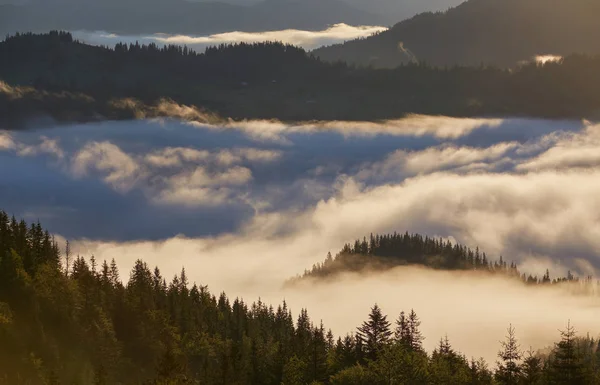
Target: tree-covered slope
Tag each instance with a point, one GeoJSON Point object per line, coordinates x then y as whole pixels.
{"type": "Point", "coordinates": [65, 319]}
{"type": "Point", "coordinates": [496, 32]}
{"type": "Point", "coordinates": [272, 80]}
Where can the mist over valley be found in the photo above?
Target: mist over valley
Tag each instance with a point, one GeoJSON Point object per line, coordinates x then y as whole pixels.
{"type": "Point", "coordinates": [284, 192]}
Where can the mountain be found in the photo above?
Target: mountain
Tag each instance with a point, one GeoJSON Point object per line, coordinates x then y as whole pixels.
{"type": "Point", "coordinates": [394, 10]}
{"type": "Point", "coordinates": [178, 16]}
{"type": "Point", "coordinates": [497, 32]}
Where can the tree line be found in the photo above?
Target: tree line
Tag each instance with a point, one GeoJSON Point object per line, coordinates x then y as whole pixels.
{"type": "Point", "coordinates": [274, 80]}
{"type": "Point", "coordinates": [65, 319]}
{"type": "Point", "coordinates": [386, 251]}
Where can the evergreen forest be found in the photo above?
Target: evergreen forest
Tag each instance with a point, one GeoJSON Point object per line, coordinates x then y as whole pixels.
{"type": "Point", "coordinates": [66, 319]}
{"type": "Point", "coordinates": [54, 75]}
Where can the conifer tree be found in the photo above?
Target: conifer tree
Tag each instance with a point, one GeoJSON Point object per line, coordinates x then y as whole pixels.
{"type": "Point", "coordinates": [374, 333]}
{"type": "Point", "coordinates": [509, 369]}
{"type": "Point", "coordinates": [566, 365]}
{"type": "Point", "coordinates": [532, 369]}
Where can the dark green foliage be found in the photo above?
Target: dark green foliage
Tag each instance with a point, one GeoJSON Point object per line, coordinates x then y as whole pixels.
{"type": "Point", "coordinates": [83, 326]}
{"type": "Point", "coordinates": [71, 81]}
{"type": "Point", "coordinates": [374, 333]}
{"type": "Point", "coordinates": [566, 365]}
{"type": "Point", "coordinates": [407, 332]}
{"type": "Point", "coordinates": [509, 368]}
{"type": "Point", "coordinates": [532, 369]}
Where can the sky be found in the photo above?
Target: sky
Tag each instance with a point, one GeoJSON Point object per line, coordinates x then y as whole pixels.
{"type": "Point", "coordinates": [244, 206]}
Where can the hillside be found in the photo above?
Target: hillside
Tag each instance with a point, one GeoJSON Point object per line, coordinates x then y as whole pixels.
{"type": "Point", "coordinates": [271, 80]}
{"type": "Point", "coordinates": [496, 32]}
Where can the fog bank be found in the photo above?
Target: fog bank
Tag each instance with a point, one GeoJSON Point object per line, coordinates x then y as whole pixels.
{"type": "Point", "coordinates": [243, 206]}
{"type": "Point", "coordinates": [337, 33]}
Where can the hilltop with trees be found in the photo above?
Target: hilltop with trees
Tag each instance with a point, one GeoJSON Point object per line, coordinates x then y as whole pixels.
{"type": "Point", "coordinates": [383, 252]}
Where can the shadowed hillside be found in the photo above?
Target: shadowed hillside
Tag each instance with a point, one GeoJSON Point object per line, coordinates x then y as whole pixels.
{"type": "Point", "coordinates": [497, 32]}
{"type": "Point", "coordinates": [271, 80]}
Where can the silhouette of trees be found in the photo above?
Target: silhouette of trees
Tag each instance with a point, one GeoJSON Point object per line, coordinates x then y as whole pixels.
{"type": "Point", "coordinates": [72, 81]}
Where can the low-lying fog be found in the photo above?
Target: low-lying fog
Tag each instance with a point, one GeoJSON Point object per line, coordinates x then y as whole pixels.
{"type": "Point", "coordinates": [337, 33]}
{"type": "Point", "coordinates": [244, 206]}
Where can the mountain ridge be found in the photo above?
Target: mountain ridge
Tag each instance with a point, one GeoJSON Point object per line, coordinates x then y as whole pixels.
{"type": "Point", "coordinates": [494, 32]}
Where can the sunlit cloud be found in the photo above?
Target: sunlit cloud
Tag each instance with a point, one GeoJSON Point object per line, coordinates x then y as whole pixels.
{"type": "Point", "coordinates": [466, 159]}
{"type": "Point", "coordinates": [543, 59]}
{"type": "Point", "coordinates": [337, 33]}
{"type": "Point", "coordinates": [574, 150]}
{"type": "Point", "coordinates": [119, 169]}
{"type": "Point", "coordinates": [46, 146]}
{"type": "Point", "coordinates": [6, 142]}
{"type": "Point", "coordinates": [439, 127]}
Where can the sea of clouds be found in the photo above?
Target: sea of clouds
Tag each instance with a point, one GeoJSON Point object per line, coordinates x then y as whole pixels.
{"type": "Point", "coordinates": [246, 205]}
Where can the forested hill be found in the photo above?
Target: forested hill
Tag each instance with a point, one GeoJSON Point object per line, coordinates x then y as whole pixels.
{"type": "Point", "coordinates": [496, 32]}
{"type": "Point", "coordinates": [68, 320]}
{"type": "Point", "coordinates": [387, 251]}
{"type": "Point", "coordinates": [272, 80]}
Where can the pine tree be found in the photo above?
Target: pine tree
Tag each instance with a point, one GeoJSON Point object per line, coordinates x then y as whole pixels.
{"type": "Point", "coordinates": [401, 333]}
{"type": "Point", "coordinates": [407, 331]}
{"type": "Point", "coordinates": [566, 366]}
{"type": "Point", "coordinates": [532, 369]}
{"type": "Point", "coordinates": [374, 333]}
{"type": "Point", "coordinates": [509, 370]}
{"type": "Point", "coordinates": [67, 258]}
{"type": "Point", "coordinates": [416, 338]}
{"type": "Point", "coordinates": [294, 372]}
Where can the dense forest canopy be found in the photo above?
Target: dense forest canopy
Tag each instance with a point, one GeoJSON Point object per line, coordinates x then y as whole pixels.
{"type": "Point", "coordinates": [493, 32]}
{"type": "Point", "coordinates": [67, 319]}
{"type": "Point", "coordinates": [272, 80]}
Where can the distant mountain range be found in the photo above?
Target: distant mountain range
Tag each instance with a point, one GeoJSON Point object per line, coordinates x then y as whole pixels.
{"type": "Point", "coordinates": [203, 16]}
{"type": "Point", "coordinates": [179, 16]}
{"type": "Point", "coordinates": [498, 32]}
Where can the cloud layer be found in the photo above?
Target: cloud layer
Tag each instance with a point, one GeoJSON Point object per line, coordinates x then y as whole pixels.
{"type": "Point", "coordinates": [245, 205]}
{"type": "Point", "coordinates": [337, 33]}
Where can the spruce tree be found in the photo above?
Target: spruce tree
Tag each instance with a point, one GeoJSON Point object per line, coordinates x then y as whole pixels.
{"type": "Point", "coordinates": [509, 369]}
{"type": "Point", "coordinates": [416, 338]}
{"type": "Point", "coordinates": [532, 369]}
{"type": "Point", "coordinates": [566, 366]}
{"type": "Point", "coordinates": [374, 333]}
